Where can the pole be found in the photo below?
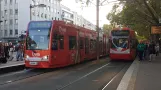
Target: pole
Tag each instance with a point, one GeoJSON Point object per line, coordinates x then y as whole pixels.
{"type": "Point", "coordinates": [30, 12]}
{"type": "Point", "coordinates": [97, 27]}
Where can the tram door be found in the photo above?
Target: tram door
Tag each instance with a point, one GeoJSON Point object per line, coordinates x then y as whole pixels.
{"type": "Point", "coordinates": [87, 48]}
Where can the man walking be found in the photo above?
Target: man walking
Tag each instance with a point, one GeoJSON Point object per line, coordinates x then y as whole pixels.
{"type": "Point", "coordinates": [19, 52]}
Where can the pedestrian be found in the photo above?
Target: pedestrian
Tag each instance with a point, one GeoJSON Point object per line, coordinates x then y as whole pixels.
{"type": "Point", "coordinates": [6, 50]}
{"type": "Point", "coordinates": [19, 52]}
{"type": "Point", "coordinates": [146, 50]}
{"type": "Point", "coordinates": [157, 49]}
{"type": "Point", "coordinates": [151, 50]}
{"type": "Point", "coordinates": [140, 49]}
{"type": "Point", "coordinates": [11, 49]}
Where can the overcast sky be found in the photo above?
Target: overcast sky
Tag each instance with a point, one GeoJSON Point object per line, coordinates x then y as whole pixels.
{"type": "Point", "coordinates": [89, 13]}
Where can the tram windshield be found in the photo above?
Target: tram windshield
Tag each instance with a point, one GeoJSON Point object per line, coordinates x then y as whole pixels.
{"type": "Point", "coordinates": [38, 37]}
{"type": "Point", "coordinates": [119, 43]}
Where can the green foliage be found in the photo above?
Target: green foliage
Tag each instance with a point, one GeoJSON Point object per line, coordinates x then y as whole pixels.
{"type": "Point", "coordinates": [137, 14]}
{"type": "Point", "coordinates": [107, 28]}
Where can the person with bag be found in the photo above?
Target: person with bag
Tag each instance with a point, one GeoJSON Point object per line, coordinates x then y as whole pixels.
{"type": "Point", "coordinates": [11, 49]}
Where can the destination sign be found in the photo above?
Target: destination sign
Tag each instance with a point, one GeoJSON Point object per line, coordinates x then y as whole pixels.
{"type": "Point", "coordinates": [120, 33]}
{"type": "Point", "coordinates": [40, 24]}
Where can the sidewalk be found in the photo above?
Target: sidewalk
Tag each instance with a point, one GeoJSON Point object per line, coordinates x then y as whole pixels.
{"type": "Point", "coordinates": [142, 75]}
{"type": "Point", "coordinates": [149, 75]}
{"type": "Point", "coordinates": [11, 63]}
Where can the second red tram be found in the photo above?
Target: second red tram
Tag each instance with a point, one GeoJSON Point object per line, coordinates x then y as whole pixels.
{"type": "Point", "coordinates": [51, 44]}
{"type": "Point", "coordinates": [123, 44]}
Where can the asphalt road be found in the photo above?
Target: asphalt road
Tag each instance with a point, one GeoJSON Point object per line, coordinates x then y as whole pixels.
{"type": "Point", "coordinates": [93, 75]}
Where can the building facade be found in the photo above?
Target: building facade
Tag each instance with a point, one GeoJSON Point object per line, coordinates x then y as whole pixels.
{"type": "Point", "coordinates": [16, 15]}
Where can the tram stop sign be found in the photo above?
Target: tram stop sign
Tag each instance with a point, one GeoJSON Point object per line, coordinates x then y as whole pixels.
{"type": "Point", "coordinates": [156, 29]}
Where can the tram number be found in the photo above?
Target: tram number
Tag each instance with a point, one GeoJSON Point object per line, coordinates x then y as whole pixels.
{"type": "Point", "coordinates": [33, 63]}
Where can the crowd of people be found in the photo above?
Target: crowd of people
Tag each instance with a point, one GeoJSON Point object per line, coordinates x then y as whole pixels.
{"type": "Point", "coordinates": [147, 49]}
{"type": "Point", "coordinates": [9, 49]}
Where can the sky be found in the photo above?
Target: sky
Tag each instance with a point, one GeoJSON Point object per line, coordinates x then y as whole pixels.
{"type": "Point", "coordinates": [89, 12]}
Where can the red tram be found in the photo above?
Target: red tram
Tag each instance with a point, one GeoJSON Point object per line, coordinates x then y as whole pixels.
{"type": "Point", "coordinates": [123, 44]}
{"type": "Point", "coordinates": [51, 44]}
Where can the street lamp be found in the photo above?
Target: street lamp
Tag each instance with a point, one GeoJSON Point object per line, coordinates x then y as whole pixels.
{"type": "Point", "coordinates": [33, 6]}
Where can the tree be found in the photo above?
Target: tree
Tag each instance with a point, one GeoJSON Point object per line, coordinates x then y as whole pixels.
{"type": "Point", "coordinates": [107, 28]}
{"type": "Point", "coordinates": [140, 14]}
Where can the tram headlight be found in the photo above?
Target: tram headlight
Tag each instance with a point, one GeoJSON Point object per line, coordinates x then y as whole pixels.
{"type": "Point", "coordinates": [27, 57]}
{"type": "Point", "coordinates": [45, 58]}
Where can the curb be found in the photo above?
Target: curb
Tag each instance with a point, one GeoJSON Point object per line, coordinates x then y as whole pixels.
{"type": "Point", "coordinates": [128, 80]}
{"type": "Point", "coordinates": [12, 68]}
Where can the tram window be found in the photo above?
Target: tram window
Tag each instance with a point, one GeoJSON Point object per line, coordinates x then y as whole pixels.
{"type": "Point", "coordinates": [61, 41]}
{"type": "Point", "coordinates": [72, 42]}
{"type": "Point", "coordinates": [55, 42]}
{"type": "Point", "coordinates": [81, 44]}
{"type": "Point", "coordinates": [86, 46]}
{"type": "Point", "coordinates": [91, 44]}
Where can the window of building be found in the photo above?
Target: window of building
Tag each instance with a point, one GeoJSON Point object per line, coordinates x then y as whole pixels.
{"type": "Point", "coordinates": [16, 11]}
{"type": "Point", "coordinates": [5, 11]}
{"type": "Point", "coordinates": [5, 21]}
{"type": "Point", "coordinates": [5, 32]}
{"type": "Point", "coordinates": [16, 21]}
{"type": "Point", "coordinates": [42, 15]}
{"type": "Point", "coordinates": [16, 2]}
{"type": "Point", "coordinates": [38, 14]}
{"type": "Point", "coordinates": [11, 11]}
{"type": "Point", "coordinates": [1, 23]}
{"type": "Point", "coordinates": [11, 32]}
{"type": "Point", "coordinates": [11, 21]}
{"type": "Point", "coordinates": [16, 31]}
{"type": "Point", "coordinates": [72, 42]}
{"type": "Point", "coordinates": [10, 1]}
{"type": "Point", "coordinates": [33, 12]}
{"type": "Point", "coordinates": [49, 8]}
{"type": "Point", "coordinates": [5, 2]}
{"type": "Point", "coordinates": [61, 41]}
{"type": "Point", "coordinates": [45, 15]}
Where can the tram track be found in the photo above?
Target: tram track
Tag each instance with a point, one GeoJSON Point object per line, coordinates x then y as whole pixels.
{"type": "Point", "coordinates": [78, 77]}
{"type": "Point", "coordinates": [29, 73]}
{"type": "Point", "coordinates": [102, 87]}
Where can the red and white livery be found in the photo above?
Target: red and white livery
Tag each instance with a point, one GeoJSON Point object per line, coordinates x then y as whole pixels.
{"type": "Point", "coordinates": [51, 44]}
{"type": "Point", "coordinates": [123, 44]}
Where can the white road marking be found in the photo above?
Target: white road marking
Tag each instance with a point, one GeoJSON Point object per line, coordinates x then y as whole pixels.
{"type": "Point", "coordinates": [109, 82]}
{"type": "Point", "coordinates": [126, 78]}
{"type": "Point", "coordinates": [83, 76]}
